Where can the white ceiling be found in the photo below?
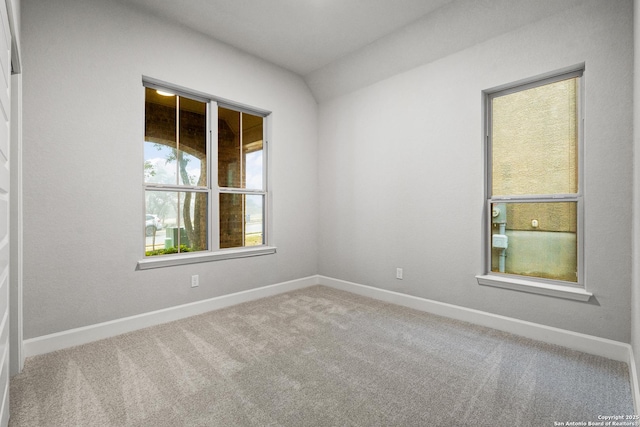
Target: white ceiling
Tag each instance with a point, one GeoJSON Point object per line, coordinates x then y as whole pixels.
{"type": "Point", "coordinates": [300, 35]}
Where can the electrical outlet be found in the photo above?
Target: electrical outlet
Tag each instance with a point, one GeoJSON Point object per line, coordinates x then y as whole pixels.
{"type": "Point", "coordinates": [195, 281]}
{"type": "Point", "coordinates": [399, 273]}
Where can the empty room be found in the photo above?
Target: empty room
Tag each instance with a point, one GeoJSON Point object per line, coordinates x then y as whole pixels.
{"type": "Point", "coordinates": [320, 213]}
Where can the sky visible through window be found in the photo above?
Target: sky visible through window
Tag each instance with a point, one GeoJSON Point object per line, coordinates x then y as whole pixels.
{"type": "Point", "coordinates": [254, 169]}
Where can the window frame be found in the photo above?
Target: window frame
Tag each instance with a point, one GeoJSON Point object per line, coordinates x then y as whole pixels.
{"type": "Point", "coordinates": [558, 288]}
{"type": "Point", "coordinates": [213, 189]}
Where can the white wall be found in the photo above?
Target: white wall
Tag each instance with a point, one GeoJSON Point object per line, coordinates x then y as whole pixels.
{"type": "Point", "coordinates": [456, 25]}
{"type": "Point", "coordinates": [83, 131]}
{"type": "Point", "coordinates": [401, 171]}
{"type": "Point", "coordinates": [15, 202]}
{"type": "Point", "coordinates": [400, 166]}
{"type": "Point", "coordinates": [635, 291]}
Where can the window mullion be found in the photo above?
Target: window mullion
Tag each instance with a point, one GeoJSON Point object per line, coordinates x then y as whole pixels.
{"type": "Point", "coordinates": [214, 188]}
{"type": "Point", "coordinates": [265, 184]}
{"type": "Point", "coordinates": [178, 141]}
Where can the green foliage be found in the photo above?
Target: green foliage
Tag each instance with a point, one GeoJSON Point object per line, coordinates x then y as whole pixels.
{"type": "Point", "coordinates": [149, 170]}
{"type": "Point", "coordinates": [167, 251]}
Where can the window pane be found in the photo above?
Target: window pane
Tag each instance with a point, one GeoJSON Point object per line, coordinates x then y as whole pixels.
{"type": "Point", "coordinates": [252, 150]}
{"type": "Point", "coordinates": [534, 141]}
{"type": "Point", "coordinates": [160, 138]}
{"type": "Point", "coordinates": [182, 219]}
{"type": "Point", "coordinates": [175, 147]}
{"type": "Point", "coordinates": [240, 147]}
{"type": "Point", "coordinates": [253, 160]}
{"type": "Point", "coordinates": [193, 142]}
{"type": "Point", "coordinates": [535, 239]}
{"type": "Point", "coordinates": [241, 220]}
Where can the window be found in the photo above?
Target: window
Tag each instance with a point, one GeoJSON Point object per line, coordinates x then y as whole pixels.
{"type": "Point", "coordinates": [202, 197]}
{"type": "Point", "coordinates": [240, 178]}
{"type": "Point", "coordinates": [533, 181]}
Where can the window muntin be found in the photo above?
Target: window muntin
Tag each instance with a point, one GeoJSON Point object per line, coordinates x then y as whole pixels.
{"type": "Point", "coordinates": [533, 180]}
{"type": "Point", "coordinates": [185, 211]}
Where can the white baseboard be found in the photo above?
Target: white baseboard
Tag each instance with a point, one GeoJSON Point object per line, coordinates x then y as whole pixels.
{"type": "Point", "coordinates": [586, 343]}
{"type": "Point", "coordinates": [86, 334]}
{"type": "Point", "coordinates": [610, 349]}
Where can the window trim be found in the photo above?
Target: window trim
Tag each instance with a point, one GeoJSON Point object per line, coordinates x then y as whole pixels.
{"type": "Point", "coordinates": [214, 253]}
{"type": "Point", "coordinates": [204, 256]}
{"type": "Point", "coordinates": [534, 286]}
{"type": "Point", "coordinates": [556, 288]}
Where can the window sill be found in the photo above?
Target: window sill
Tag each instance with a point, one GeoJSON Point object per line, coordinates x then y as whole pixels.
{"type": "Point", "coordinates": [193, 258]}
{"type": "Point", "coordinates": [530, 286]}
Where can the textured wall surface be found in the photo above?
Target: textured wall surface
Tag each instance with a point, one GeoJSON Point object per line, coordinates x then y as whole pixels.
{"type": "Point", "coordinates": [456, 26]}
{"type": "Point", "coordinates": [401, 171]}
{"type": "Point", "coordinates": [83, 154]}
{"type": "Point", "coordinates": [635, 301]}
{"type": "Point", "coordinates": [400, 162]}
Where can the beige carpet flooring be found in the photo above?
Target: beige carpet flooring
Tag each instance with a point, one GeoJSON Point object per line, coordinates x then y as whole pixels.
{"type": "Point", "coordinates": [317, 357]}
